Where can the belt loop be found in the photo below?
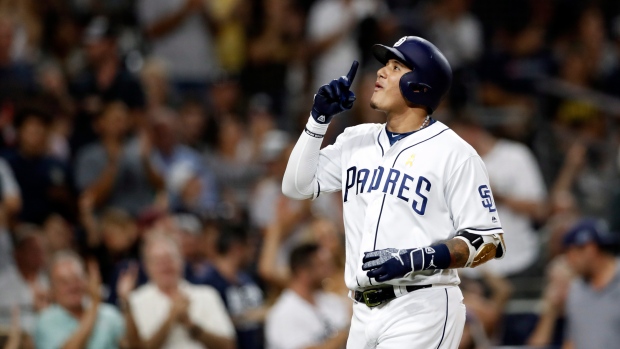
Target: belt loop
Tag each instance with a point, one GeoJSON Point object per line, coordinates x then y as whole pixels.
{"type": "Point", "coordinates": [400, 291]}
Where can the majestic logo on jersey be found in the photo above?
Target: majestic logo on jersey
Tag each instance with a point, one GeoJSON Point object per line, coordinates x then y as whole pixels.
{"type": "Point", "coordinates": [487, 199]}
{"type": "Point", "coordinates": [322, 118]}
{"type": "Point", "coordinates": [393, 182]}
{"type": "Point", "coordinates": [409, 161]}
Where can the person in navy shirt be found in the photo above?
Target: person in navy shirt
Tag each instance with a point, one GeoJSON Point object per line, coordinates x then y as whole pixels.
{"type": "Point", "coordinates": [241, 294]}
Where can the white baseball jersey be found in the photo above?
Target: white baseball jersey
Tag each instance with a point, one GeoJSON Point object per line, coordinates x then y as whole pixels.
{"type": "Point", "coordinates": [424, 189]}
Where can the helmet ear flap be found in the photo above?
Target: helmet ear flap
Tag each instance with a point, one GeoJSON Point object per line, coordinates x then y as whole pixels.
{"type": "Point", "coordinates": [415, 92]}
{"type": "Point", "coordinates": [411, 89]}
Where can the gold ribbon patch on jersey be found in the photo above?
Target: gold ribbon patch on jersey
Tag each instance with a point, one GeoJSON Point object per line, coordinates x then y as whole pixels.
{"type": "Point", "coordinates": [410, 160]}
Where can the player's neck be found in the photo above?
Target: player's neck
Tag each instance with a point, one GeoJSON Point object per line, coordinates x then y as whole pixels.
{"type": "Point", "coordinates": [406, 121]}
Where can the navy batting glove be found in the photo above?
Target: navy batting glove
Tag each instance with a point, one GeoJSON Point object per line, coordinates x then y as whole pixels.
{"type": "Point", "coordinates": [392, 263]}
{"type": "Point", "coordinates": [334, 98]}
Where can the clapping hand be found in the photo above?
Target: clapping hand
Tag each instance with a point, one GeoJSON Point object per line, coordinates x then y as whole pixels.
{"type": "Point", "coordinates": [127, 281]}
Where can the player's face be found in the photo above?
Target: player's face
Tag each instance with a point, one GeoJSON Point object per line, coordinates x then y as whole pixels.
{"type": "Point", "coordinates": [387, 96]}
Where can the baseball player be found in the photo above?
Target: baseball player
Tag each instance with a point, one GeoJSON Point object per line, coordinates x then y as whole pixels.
{"type": "Point", "coordinates": [416, 198]}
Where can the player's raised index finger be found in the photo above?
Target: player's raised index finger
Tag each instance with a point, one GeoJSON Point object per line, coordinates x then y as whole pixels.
{"type": "Point", "coordinates": [352, 71]}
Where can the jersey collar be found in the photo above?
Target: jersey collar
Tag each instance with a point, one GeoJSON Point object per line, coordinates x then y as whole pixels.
{"type": "Point", "coordinates": [429, 131]}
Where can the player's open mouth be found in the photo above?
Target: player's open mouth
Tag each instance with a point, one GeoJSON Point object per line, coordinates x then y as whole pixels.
{"type": "Point", "coordinates": [378, 86]}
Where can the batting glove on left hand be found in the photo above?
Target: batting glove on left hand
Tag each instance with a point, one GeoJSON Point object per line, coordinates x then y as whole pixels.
{"type": "Point", "coordinates": [334, 97]}
{"type": "Point", "coordinates": [392, 263]}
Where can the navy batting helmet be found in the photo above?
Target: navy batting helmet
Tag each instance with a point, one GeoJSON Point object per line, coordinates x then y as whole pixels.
{"type": "Point", "coordinates": [430, 76]}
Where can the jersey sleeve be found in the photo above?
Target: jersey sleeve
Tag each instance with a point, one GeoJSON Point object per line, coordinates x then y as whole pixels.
{"type": "Point", "coordinates": [470, 200]}
{"type": "Point", "coordinates": [310, 169]}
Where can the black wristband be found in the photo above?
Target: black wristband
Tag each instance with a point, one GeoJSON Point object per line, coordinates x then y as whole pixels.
{"type": "Point", "coordinates": [312, 134]}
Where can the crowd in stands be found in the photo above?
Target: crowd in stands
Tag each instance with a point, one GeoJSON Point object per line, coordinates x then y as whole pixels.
{"type": "Point", "coordinates": [143, 144]}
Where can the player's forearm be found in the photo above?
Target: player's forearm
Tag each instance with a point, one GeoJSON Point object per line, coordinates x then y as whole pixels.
{"type": "Point", "coordinates": [459, 253]}
{"type": "Point", "coordinates": [300, 175]}
{"type": "Point", "coordinates": [471, 250]}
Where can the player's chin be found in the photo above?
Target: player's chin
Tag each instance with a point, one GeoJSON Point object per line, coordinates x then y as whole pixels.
{"type": "Point", "coordinates": [373, 104]}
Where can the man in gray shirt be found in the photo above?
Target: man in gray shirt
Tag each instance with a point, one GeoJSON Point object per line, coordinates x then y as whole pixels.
{"type": "Point", "coordinates": [116, 171]}
{"type": "Point", "coordinates": [593, 306]}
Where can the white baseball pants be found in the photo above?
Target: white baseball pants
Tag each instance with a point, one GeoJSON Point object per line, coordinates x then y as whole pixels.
{"type": "Point", "coordinates": [430, 318]}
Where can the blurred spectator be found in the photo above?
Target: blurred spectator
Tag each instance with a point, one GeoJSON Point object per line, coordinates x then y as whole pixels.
{"type": "Point", "coordinates": [331, 26]}
{"type": "Point", "coordinates": [70, 322]}
{"type": "Point", "coordinates": [44, 181]}
{"type": "Point", "coordinates": [105, 80]}
{"type": "Point", "coordinates": [326, 234]}
{"type": "Point", "coordinates": [268, 191]}
{"type": "Point", "coordinates": [519, 193]}
{"type": "Point", "coordinates": [458, 34]}
{"type": "Point", "coordinates": [58, 234]}
{"type": "Point", "coordinates": [275, 44]}
{"type": "Point", "coordinates": [29, 27]}
{"type": "Point", "coordinates": [111, 239]}
{"type": "Point", "coordinates": [24, 284]}
{"type": "Point", "coordinates": [305, 316]}
{"type": "Point", "coordinates": [6, 248]}
{"type": "Point", "coordinates": [191, 185]}
{"type": "Point", "coordinates": [155, 79]}
{"type": "Point", "coordinates": [11, 195]}
{"type": "Point", "coordinates": [16, 338]}
{"type": "Point", "coordinates": [508, 74]}
{"type": "Point", "coordinates": [194, 245]}
{"type": "Point", "coordinates": [588, 170]}
{"type": "Point", "coordinates": [592, 306]}
{"type": "Point", "coordinates": [180, 35]}
{"type": "Point", "coordinates": [551, 320]}
{"type": "Point", "coordinates": [16, 75]}
{"type": "Point", "coordinates": [611, 84]}
{"type": "Point", "coordinates": [485, 302]}
{"type": "Point", "coordinates": [171, 313]}
{"type": "Point", "coordinates": [234, 162]}
{"type": "Point", "coordinates": [239, 291]}
{"type": "Point", "coordinates": [117, 171]}
{"type": "Point", "coordinates": [591, 37]}
{"type": "Point", "coordinates": [194, 125]}
{"type": "Point", "coordinates": [230, 37]}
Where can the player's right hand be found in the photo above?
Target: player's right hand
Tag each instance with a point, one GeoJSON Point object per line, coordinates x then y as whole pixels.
{"type": "Point", "coordinates": [334, 97]}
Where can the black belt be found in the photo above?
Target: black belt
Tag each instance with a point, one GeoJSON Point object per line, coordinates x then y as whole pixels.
{"type": "Point", "coordinates": [373, 297]}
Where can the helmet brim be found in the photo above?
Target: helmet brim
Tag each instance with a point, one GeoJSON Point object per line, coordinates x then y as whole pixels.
{"type": "Point", "coordinates": [384, 53]}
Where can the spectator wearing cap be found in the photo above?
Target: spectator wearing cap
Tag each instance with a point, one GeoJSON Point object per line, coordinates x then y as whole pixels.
{"type": "Point", "coordinates": [44, 181]}
{"type": "Point", "coordinates": [593, 306]}
{"type": "Point", "coordinates": [106, 79]}
{"type": "Point", "coordinates": [237, 288]}
{"type": "Point", "coordinates": [24, 284]}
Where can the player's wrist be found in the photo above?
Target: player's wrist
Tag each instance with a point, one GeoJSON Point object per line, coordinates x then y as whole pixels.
{"type": "Point", "coordinates": [316, 128]}
{"type": "Point", "coordinates": [431, 257]}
